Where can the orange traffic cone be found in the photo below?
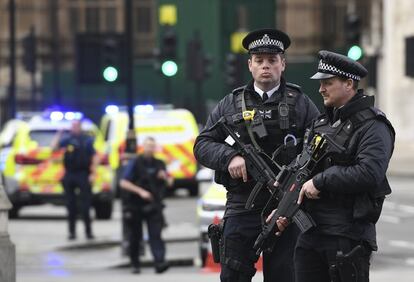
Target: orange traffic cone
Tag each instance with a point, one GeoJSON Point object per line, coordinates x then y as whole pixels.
{"type": "Point", "coordinates": [210, 266]}
{"type": "Point", "coordinates": [259, 264]}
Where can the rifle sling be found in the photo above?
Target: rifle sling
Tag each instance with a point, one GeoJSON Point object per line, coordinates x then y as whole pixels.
{"type": "Point", "coordinates": [248, 127]}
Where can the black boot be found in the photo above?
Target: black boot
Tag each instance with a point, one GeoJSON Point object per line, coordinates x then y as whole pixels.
{"type": "Point", "coordinates": [161, 267]}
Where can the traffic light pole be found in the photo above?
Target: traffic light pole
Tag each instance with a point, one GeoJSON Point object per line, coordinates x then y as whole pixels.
{"type": "Point", "coordinates": [168, 90]}
{"type": "Point", "coordinates": [54, 23]}
{"type": "Point", "coordinates": [33, 75]}
{"type": "Point", "coordinates": [131, 142]}
{"type": "Point", "coordinates": [201, 105]}
{"type": "Point", "coordinates": [12, 47]}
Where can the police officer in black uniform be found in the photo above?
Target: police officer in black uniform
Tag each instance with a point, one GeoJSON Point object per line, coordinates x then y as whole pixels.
{"type": "Point", "coordinates": [80, 163]}
{"type": "Point", "coordinates": [144, 181]}
{"type": "Point", "coordinates": [284, 111]}
{"type": "Point", "coordinates": [345, 195]}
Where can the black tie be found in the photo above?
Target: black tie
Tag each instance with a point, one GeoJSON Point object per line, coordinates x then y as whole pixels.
{"type": "Point", "coordinates": [264, 97]}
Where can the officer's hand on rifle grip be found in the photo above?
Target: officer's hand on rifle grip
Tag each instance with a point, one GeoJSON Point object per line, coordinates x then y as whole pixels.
{"type": "Point", "coordinates": [309, 190]}
{"type": "Point", "coordinates": [282, 223]}
{"type": "Point", "coordinates": [237, 168]}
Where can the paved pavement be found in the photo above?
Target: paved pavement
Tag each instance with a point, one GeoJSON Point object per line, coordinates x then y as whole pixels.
{"type": "Point", "coordinates": [40, 260]}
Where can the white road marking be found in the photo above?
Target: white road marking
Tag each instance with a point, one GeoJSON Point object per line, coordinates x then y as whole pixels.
{"type": "Point", "coordinates": [402, 244]}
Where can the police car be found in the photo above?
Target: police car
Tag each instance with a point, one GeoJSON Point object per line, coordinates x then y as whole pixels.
{"type": "Point", "coordinates": [7, 136]}
{"type": "Point", "coordinates": [174, 130]}
{"type": "Point", "coordinates": [35, 169]}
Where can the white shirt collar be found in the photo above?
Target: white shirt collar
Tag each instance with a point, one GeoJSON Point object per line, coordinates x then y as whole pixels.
{"type": "Point", "coordinates": [269, 93]}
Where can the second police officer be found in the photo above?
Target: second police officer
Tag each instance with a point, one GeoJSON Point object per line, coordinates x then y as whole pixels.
{"type": "Point", "coordinates": [346, 193]}
{"type": "Point", "coordinates": [283, 113]}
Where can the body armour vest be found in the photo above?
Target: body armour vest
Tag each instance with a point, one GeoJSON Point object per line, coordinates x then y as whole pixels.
{"type": "Point", "coordinates": [337, 214]}
{"type": "Point", "coordinates": [277, 124]}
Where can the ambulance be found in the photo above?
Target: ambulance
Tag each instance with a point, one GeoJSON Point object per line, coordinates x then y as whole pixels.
{"type": "Point", "coordinates": [174, 130]}
{"type": "Point", "coordinates": [34, 170]}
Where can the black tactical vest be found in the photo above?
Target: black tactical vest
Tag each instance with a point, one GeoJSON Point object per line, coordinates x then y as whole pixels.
{"type": "Point", "coordinates": [279, 119]}
{"type": "Point", "coordinates": [77, 155]}
{"type": "Point", "coordinates": [287, 95]}
{"type": "Point", "coordinates": [336, 214]}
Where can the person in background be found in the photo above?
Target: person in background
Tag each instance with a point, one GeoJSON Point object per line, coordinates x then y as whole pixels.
{"type": "Point", "coordinates": [144, 180]}
{"type": "Point", "coordinates": [80, 162]}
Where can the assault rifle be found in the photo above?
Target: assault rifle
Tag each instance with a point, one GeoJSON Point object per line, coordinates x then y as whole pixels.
{"type": "Point", "coordinates": [258, 164]}
{"type": "Point", "coordinates": [291, 179]}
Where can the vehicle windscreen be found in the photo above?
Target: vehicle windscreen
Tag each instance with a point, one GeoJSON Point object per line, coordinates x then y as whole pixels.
{"type": "Point", "coordinates": [44, 137]}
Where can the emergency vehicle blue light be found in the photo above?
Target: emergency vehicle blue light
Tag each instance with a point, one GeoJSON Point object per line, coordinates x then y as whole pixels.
{"type": "Point", "coordinates": [56, 116]}
{"type": "Point", "coordinates": [70, 115]}
{"type": "Point", "coordinates": [111, 109]}
{"type": "Point", "coordinates": [77, 115]}
{"type": "Point", "coordinates": [143, 109]}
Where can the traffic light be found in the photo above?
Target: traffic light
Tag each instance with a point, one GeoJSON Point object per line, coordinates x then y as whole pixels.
{"type": "Point", "coordinates": [168, 54]}
{"type": "Point", "coordinates": [234, 70]}
{"type": "Point", "coordinates": [29, 52]}
{"type": "Point", "coordinates": [88, 50]}
{"type": "Point", "coordinates": [198, 64]}
{"type": "Point", "coordinates": [353, 36]}
{"type": "Point", "coordinates": [100, 58]}
{"type": "Point", "coordinates": [113, 62]}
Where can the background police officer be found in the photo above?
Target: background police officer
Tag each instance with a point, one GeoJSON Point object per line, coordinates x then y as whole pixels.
{"type": "Point", "coordinates": [345, 195]}
{"type": "Point", "coordinates": [80, 163]}
{"type": "Point", "coordinates": [145, 179]}
{"type": "Point", "coordinates": [267, 92]}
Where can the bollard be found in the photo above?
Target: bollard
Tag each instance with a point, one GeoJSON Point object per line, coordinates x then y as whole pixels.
{"type": "Point", "coordinates": [7, 248]}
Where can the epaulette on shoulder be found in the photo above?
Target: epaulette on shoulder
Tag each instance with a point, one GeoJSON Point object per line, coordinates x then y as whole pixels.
{"type": "Point", "coordinates": [378, 112]}
{"type": "Point", "coordinates": [294, 86]}
{"type": "Point", "coordinates": [238, 90]}
{"type": "Point", "coordinates": [321, 120]}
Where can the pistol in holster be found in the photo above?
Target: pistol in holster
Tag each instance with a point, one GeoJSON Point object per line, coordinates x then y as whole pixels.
{"type": "Point", "coordinates": [214, 233]}
{"type": "Point", "coordinates": [346, 267]}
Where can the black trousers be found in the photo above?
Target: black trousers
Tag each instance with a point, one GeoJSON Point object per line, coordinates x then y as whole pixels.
{"type": "Point", "coordinates": [72, 181]}
{"type": "Point", "coordinates": [155, 224]}
{"type": "Point", "coordinates": [315, 256]}
{"type": "Point", "coordinates": [278, 265]}
{"type": "Point", "coordinates": [243, 231]}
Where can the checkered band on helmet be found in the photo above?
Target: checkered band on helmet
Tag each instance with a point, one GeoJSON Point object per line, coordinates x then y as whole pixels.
{"type": "Point", "coordinates": [266, 41]}
{"type": "Point", "coordinates": [327, 68]}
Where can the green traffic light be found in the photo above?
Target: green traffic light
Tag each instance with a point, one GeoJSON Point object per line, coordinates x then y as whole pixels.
{"type": "Point", "coordinates": [110, 74]}
{"type": "Point", "coordinates": [169, 68]}
{"type": "Point", "coordinates": [355, 52]}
